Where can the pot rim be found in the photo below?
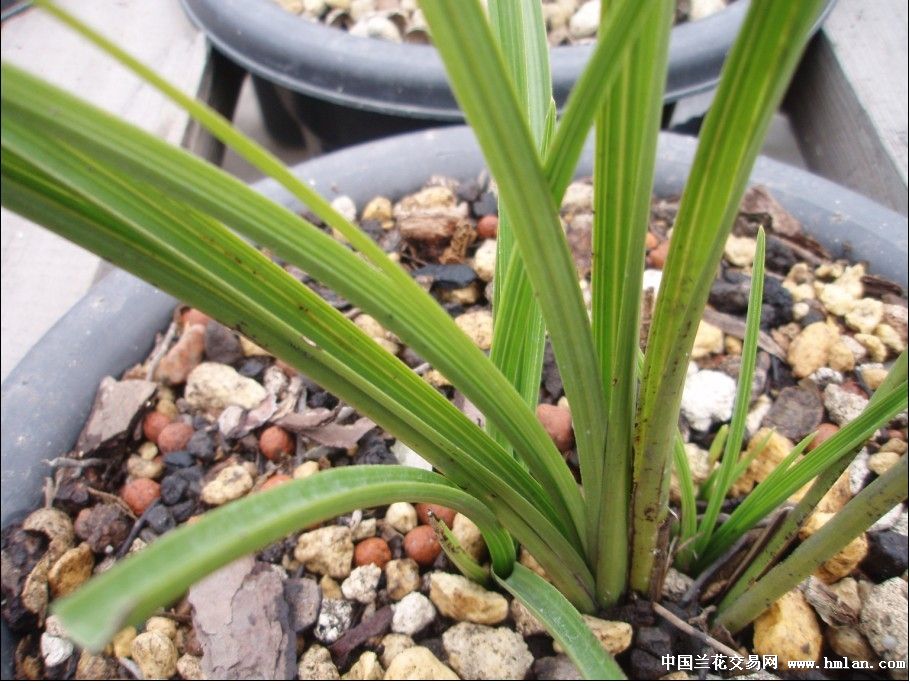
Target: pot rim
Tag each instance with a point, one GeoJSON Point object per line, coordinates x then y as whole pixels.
{"type": "Point", "coordinates": [48, 396]}
{"type": "Point", "coordinates": [409, 80]}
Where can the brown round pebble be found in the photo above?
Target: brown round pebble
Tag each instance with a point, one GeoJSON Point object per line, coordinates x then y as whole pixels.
{"type": "Point", "coordinates": [373, 550]}
{"type": "Point", "coordinates": [174, 437]}
{"type": "Point", "coordinates": [152, 425]}
{"type": "Point", "coordinates": [421, 545]}
{"type": "Point", "coordinates": [488, 226]}
{"type": "Point", "coordinates": [557, 421]}
{"type": "Point", "coordinates": [274, 481]}
{"type": "Point", "coordinates": [447, 515]}
{"type": "Point", "coordinates": [274, 442]}
{"type": "Point", "coordinates": [657, 257]}
{"type": "Point", "coordinates": [194, 317]}
{"type": "Point", "coordinates": [823, 432]}
{"type": "Point", "coordinates": [139, 494]}
{"type": "Point", "coordinates": [651, 241]}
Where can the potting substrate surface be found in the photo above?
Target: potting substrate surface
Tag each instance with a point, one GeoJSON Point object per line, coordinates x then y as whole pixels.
{"type": "Point", "coordinates": [210, 417]}
{"type": "Point", "coordinates": [569, 22]}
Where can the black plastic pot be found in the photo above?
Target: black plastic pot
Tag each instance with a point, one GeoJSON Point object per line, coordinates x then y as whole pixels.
{"type": "Point", "coordinates": [48, 396]}
{"type": "Point", "coordinates": [347, 89]}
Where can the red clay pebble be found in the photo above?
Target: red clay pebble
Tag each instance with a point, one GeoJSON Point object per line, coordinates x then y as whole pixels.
{"type": "Point", "coordinates": [421, 545]}
{"type": "Point", "coordinates": [139, 494]}
{"type": "Point", "coordinates": [557, 421]}
{"type": "Point", "coordinates": [373, 550]}
{"type": "Point", "coordinates": [174, 437]}
{"type": "Point", "coordinates": [152, 425]}
{"type": "Point", "coordinates": [651, 241]}
{"type": "Point", "coordinates": [824, 432]}
{"type": "Point", "coordinates": [194, 317]}
{"type": "Point", "coordinates": [274, 481]}
{"type": "Point", "coordinates": [447, 515]}
{"type": "Point", "coordinates": [488, 226]}
{"type": "Point", "coordinates": [657, 257]}
{"type": "Point", "coordinates": [274, 442]}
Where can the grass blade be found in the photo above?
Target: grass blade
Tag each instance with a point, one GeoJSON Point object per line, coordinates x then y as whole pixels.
{"type": "Point", "coordinates": [734, 440]}
{"type": "Point", "coordinates": [852, 520]}
{"type": "Point", "coordinates": [563, 623]}
{"type": "Point", "coordinates": [753, 81]}
{"type": "Point", "coordinates": [136, 586]}
{"type": "Point", "coordinates": [486, 95]}
{"type": "Point", "coordinates": [625, 151]}
{"type": "Point", "coordinates": [411, 313]}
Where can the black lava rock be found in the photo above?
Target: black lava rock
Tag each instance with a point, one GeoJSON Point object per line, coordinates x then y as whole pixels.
{"type": "Point", "coordinates": [159, 518]}
{"type": "Point", "coordinates": [173, 487]}
{"type": "Point", "coordinates": [487, 204]}
{"type": "Point", "coordinates": [777, 304]}
{"type": "Point", "coordinates": [373, 451]}
{"type": "Point", "coordinates": [179, 459]}
{"type": "Point", "coordinates": [795, 413]}
{"type": "Point", "coordinates": [221, 345]}
{"type": "Point", "coordinates": [887, 556]}
{"type": "Point", "coordinates": [448, 276]}
{"type": "Point", "coordinates": [253, 367]}
{"type": "Point", "coordinates": [201, 445]}
{"type": "Point", "coordinates": [779, 257]}
{"type": "Point", "coordinates": [646, 666]}
{"type": "Point", "coordinates": [182, 511]}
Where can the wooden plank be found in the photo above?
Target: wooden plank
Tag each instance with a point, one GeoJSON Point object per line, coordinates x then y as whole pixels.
{"type": "Point", "coordinates": [848, 102]}
{"type": "Point", "coordinates": [43, 275]}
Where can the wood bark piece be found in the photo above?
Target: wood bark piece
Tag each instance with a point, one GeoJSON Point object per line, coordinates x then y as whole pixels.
{"type": "Point", "coordinates": [114, 413]}
{"type": "Point", "coordinates": [242, 622]}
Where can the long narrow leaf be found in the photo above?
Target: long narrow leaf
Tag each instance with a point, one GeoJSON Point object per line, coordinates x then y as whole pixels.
{"type": "Point", "coordinates": [851, 521]}
{"type": "Point", "coordinates": [486, 95]}
{"type": "Point", "coordinates": [625, 151]}
{"type": "Point", "coordinates": [136, 586]}
{"type": "Point", "coordinates": [563, 623]}
{"type": "Point", "coordinates": [416, 318]}
{"type": "Point", "coordinates": [741, 404]}
{"type": "Point", "coordinates": [753, 82]}
{"type": "Point", "coordinates": [401, 306]}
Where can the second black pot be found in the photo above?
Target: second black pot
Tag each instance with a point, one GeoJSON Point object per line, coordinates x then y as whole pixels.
{"type": "Point", "coordinates": [347, 89]}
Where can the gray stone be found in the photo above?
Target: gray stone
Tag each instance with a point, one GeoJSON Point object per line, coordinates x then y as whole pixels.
{"type": "Point", "coordinates": [707, 398]}
{"type": "Point", "coordinates": [335, 619]}
{"type": "Point", "coordinates": [304, 598]}
{"type": "Point", "coordinates": [556, 668]}
{"type": "Point", "coordinates": [480, 652]}
{"type": "Point", "coordinates": [412, 614]}
{"type": "Point", "coordinates": [843, 406]}
{"type": "Point", "coordinates": [214, 386]}
{"type": "Point", "coordinates": [884, 622]}
{"type": "Point", "coordinates": [361, 584]}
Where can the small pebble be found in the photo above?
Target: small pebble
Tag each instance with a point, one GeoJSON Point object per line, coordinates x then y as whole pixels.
{"type": "Point", "coordinates": [557, 421]}
{"type": "Point", "coordinates": [372, 551]}
{"type": "Point", "coordinates": [316, 664]}
{"type": "Point", "coordinates": [275, 442]}
{"type": "Point", "coordinates": [139, 494]}
{"type": "Point", "coordinates": [305, 470]}
{"type": "Point", "coordinates": [447, 515]}
{"type": "Point", "coordinates": [335, 618]}
{"type": "Point", "coordinates": [402, 577]}
{"type": "Point", "coordinates": [174, 437]}
{"type": "Point", "coordinates": [361, 584]}
{"type": "Point", "coordinates": [194, 317]}
{"type": "Point", "coordinates": [487, 227]}
{"type": "Point", "coordinates": [155, 655]}
{"type": "Point", "coordinates": [459, 598]}
{"type": "Point", "coordinates": [229, 484]}
{"type": "Point", "coordinates": [401, 516]}
{"type": "Point", "coordinates": [421, 545]}
{"type": "Point", "coordinates": [153, 423]}
{"type": "Point", "coordinates": [274, 481]}
{"type": "Point", "coordinates": [412, 614]}
{"type": "Point", "coordinates": [326, 551]}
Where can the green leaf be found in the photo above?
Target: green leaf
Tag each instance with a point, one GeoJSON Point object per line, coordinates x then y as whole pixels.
{"type": "Point", "coordinates": [753, 81]}
{"type": "Point", "coordinates": [563, 623]}
{"type": "Point", "coordinates": [400, 304]}
{"type": "Point", "coordinates": [852, 520]}
{"type": "Point", "coordinates": [734, 440]}
{"type": "Point", "coordinates": [518, 332]}
{"type": "Point", "coordinates": [172, 246]}
{"type": "Point", "coordinates": [485, 93]}
{"type": "Point", "coordinates": [411, 313]}
{"type": "Point", "coordinates": [136, 586]}
{"type": "Point", "coordinates": [688, 510]}
{"type": "Point", "coordinates": [784, 481]}
{"type": "Point", "coordinates": [456, 553]}
{"type": "Point", "coordinates": [625, 151]}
